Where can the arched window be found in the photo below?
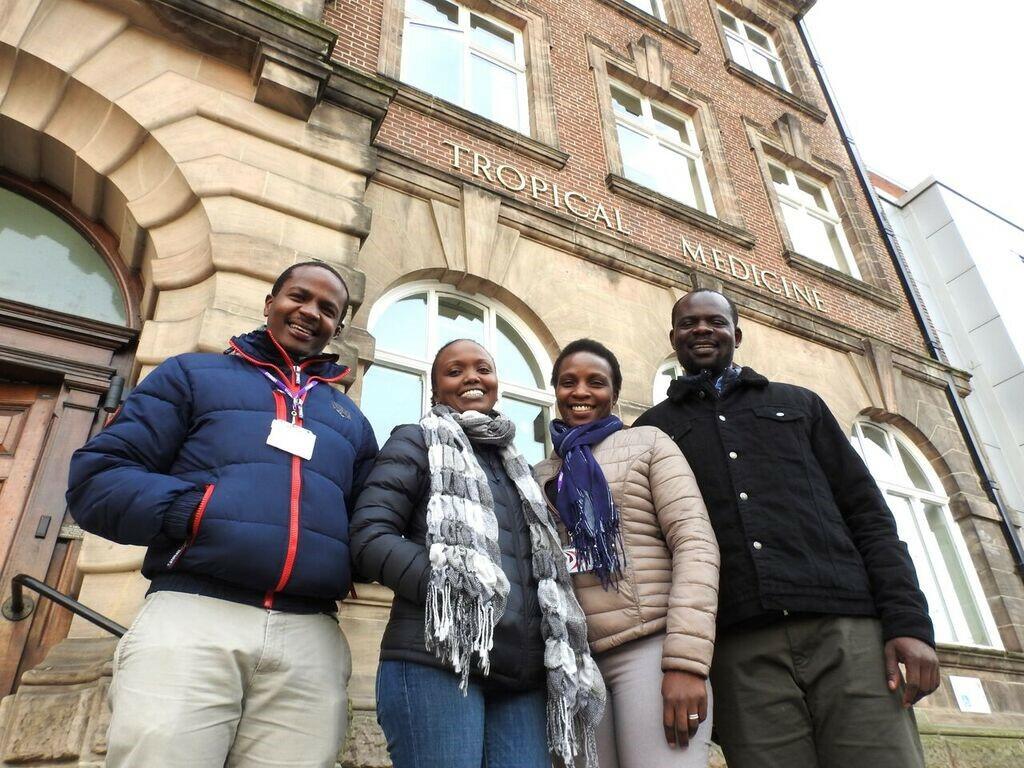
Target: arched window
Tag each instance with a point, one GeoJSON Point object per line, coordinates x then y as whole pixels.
{"type": "Point", "coordinates": [45, 262]}
{"type": "Point", "coordinates": [413, 322]}
{"type": "Point", "coordinates": [915, 496]}
{"type": "Point", "coordinates": [667, 372]}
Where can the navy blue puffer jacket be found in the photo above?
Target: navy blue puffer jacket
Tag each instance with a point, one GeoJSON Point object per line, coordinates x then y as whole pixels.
{"type": "Point", "coordinates": [185, 469]}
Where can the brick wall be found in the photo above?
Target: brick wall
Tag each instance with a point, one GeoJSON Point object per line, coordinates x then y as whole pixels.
{"type": "Point", "coordinates": [419, 136]}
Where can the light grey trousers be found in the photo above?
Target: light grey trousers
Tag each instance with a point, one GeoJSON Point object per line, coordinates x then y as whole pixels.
{"type": "Point", "coordinates": [631, 734]}
{"type": "Point", "coordinates": [206, 683]}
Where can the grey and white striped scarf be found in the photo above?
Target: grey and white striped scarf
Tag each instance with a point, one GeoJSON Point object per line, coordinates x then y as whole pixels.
{"type": "Point", "coordinates": [468, 590]}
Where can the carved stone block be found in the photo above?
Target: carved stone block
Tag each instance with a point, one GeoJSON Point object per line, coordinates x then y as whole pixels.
{"type": "Point", "coordinates": [47, 726]}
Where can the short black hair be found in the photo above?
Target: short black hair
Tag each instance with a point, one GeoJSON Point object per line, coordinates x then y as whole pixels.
{"type": "Point", "coordinates": [732, 306]}
{"type": "Point", "coordinates": [283, 277]}
{"type": "Point", "coordinates": [433, 366]}
{"type": "Point", "coordinates": [594, 348]}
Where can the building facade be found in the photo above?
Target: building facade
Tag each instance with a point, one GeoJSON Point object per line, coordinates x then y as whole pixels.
{"type": "Point", "coordinates": [968, 265]}
{"type": "Point", "coordinates": [524, 172]}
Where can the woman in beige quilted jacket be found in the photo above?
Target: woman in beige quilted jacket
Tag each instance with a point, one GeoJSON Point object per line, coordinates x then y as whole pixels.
{"type": "Point", "coordinates": [645, 564]}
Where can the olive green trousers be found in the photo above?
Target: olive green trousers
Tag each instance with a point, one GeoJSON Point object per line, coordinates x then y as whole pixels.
{"type": "Point", "coordinates": [810, 693]}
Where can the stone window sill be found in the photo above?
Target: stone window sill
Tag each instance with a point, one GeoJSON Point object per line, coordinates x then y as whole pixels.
{"type": "Point", "coordinates": [780, 93]}
{"type": "Point", "coordinates": [663, 27]}
{"type": "Point", "coordinates": [645, 196]}
{"type": "Point", "coordinates": [478, 125]}
{"type": "Point", "coordinates": [852, 284]}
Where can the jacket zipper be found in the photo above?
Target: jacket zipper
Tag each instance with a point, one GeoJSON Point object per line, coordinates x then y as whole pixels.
{"type": "Point", "coordinates": [295, 497]}
{"type": "Point", "coordinates": [197, 518]}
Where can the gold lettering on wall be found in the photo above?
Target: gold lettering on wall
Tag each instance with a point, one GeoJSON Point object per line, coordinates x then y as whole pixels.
{"type": "Point", "coordinates": [514, 180]}
{"type": "Point", "coordinates": [539, 188]}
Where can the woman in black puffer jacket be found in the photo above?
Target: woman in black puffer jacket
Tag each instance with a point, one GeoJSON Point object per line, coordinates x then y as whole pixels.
{"type": "Point", "coordinates": [453, 689]}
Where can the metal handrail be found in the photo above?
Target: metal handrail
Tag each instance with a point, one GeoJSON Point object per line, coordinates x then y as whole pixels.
{"type": "Point", "coordinates": [19, 606]}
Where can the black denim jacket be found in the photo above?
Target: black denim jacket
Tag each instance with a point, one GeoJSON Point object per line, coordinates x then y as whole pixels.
{"type": "Point", "coordinates": [801, 524]}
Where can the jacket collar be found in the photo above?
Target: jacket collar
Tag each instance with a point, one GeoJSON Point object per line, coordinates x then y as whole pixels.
{"type": "Point", "coordinates": [687, 385]}
{"type": "Point", "coordinates": [259, 347]}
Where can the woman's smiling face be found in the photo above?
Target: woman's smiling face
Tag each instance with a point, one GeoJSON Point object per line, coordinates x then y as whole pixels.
{"type": "Point", "coordinates": [583, 388]}
{"type": "Point", "coordinates": [464, 378]}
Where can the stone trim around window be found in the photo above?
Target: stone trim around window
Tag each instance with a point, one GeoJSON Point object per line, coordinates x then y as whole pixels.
{"type": "Point", "coordinates": [649, 73]}
{"type": "Point", "coordinates": [788, 145]}
{"type": "Point", "coordinates": [676, 28]}
{"type": "Point", "coordinates": [641, 194]}
{"type": "Point", "coordinates": [480, 127]}
{"type": "Point", "coordinates": [868, 291]}
{"type": "Point", "coordinates": [532, 24]}
{"type": "Point", "coordinates": [816, 114]}
{"type": "Point", "coordinates": [805, 94]}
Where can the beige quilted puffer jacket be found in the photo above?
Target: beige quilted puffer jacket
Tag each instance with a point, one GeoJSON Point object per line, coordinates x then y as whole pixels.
{"type": "Point", "coordinates": [670, 579]}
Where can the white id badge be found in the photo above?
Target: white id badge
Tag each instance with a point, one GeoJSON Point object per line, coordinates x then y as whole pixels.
{"type": "Point", "coordinates": [291, 438]}
{"type": "Point", "coordinates": [572, 560]}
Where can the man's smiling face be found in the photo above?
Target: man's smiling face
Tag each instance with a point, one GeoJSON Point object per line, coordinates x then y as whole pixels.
{"type": "Point", "coordinates": [703, 333]}
{"type": "Point", "coordinates": [307, 311]}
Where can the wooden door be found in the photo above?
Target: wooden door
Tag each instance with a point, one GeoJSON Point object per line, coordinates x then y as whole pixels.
{"type": "Point", "coordinates": [25, 414]}
{"type": "Point", "coordinates": [26, 417]}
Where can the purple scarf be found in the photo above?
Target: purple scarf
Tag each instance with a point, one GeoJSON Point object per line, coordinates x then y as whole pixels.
{"type": "Point", "coordinates": [584, 500]}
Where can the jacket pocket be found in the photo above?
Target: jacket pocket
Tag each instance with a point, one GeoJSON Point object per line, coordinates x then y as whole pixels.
{"type": "Point", "coordinates": [197, 520]}
{"type": "Point", "coordinates": [778, 413]}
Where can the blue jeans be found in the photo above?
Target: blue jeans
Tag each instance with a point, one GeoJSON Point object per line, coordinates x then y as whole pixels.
{"type": "Point", "coordinates": [430, 724]}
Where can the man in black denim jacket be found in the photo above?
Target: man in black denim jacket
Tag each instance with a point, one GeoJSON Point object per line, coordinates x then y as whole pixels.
{"type": "Point", "coordinates": [819, 602]}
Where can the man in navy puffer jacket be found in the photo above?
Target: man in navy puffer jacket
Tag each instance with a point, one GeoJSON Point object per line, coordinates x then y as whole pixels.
{"type": "Point", "coordinates": [237, 471]}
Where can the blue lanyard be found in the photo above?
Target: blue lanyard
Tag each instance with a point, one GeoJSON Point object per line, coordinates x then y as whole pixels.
{"type": "Point", "coordinates": [297, 398]}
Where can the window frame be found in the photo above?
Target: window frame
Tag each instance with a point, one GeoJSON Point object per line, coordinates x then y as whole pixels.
{"type": "Point", "coordinates": [644, 126]}
{"type": "Point", "coordinates": [658, 8]}
{"type": "Point", "coordinates": [671, 364]}
{"type": "Point", "coordinates": [937, 570]}
{"type": "Point", "coordinates": [750, 47]}
{"type": "Point", "coordinates": [791, 195]}
{"type": "Point", "coordinates": [468, 51]}
{"type": "Point", "coordinates": [491, 309]}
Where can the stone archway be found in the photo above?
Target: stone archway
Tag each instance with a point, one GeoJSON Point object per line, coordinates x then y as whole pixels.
{"type": "Point", "coordinates": [213, 179]}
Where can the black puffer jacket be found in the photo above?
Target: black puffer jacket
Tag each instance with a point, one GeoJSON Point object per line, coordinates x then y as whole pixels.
{"type": "Point", "coordinates": [387, 538]}
{"type": "Point", "coordinates": [801, 524]}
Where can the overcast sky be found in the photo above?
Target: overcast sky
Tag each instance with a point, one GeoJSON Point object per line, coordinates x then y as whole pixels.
{"type": "Point", "coordinates": [932, 88]}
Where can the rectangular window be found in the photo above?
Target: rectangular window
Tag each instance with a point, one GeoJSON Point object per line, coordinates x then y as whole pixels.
{"type": "Point", "coordinates": [654, 7]}
{"type": "Point", "coordinates": [660, 149]}
{"type": "Point", "coordinates": [753, 49]}
{"type": "Point", "coordinates": [814, 226]}
{"type": "Point", "coordinates": [468, 59]}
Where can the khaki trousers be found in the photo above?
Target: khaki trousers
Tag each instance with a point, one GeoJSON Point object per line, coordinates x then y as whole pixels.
{"type": "Point", "coordinates": [810, 693]}
{"type": "Point", "coordinates": [631, 733]}
{"type": "Point", "coordinates": [205, 683]}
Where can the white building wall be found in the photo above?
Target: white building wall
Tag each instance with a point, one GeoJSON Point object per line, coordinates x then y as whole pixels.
{"type": "Point", "coordinates": [969, 267]}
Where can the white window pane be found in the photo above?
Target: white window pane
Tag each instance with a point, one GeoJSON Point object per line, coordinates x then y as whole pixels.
{"type": "Point", "coordinates": [762, 65]}
{"type": "Point", "coordinates": [531, 422]}
{"type": "Point", "coordinates": [437, 12]}
{"type": "Point", "coordinates": [513, 358]}
{"type": "Point", "coordinates": [403, 328]}
{"type": "Point", "coordinates": [669, 126]}
{"type": "Point", "coordinates": [432, 60]}
{"type": "Point", "coordinates": [812, 194]}
{"type": "Point", "coordinates": [696, 174]}
{"type": "Point", "coordinates": [626, 103]}
{"type": "Point", "coordinates": [914, 471]}
{"type": "Point", "coordinates": [728, 21]}
{"type": "Point", "coordinates": [757, 37]}
{"type": "Point", "coordinates": [777, 74]}
{"type": "Point", "coordinates": [489, 37]}
{"type": "Point", "coordinates": [493, 92]}
{"type": "Point", "coordinates": [649, 6]}
{"type": "Point", "coordinates": [937, 522]}
{"type": "Point", "coordinates": [822, 243]}
{"type": "Point", "coordinates": [738, 52]}
{"type": "Point", "coordinates": [661, 383]}
{"type": "Point", "coordinates": [778, 175]}
{"type": "Point", "coordinates": [457, 319]}
{"type": "Point", "coordinates": [390, 397]}
{"type": "Point", "coordinates": [637, 160]}
{"type": "Point", "coordinates": [907, 529]}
